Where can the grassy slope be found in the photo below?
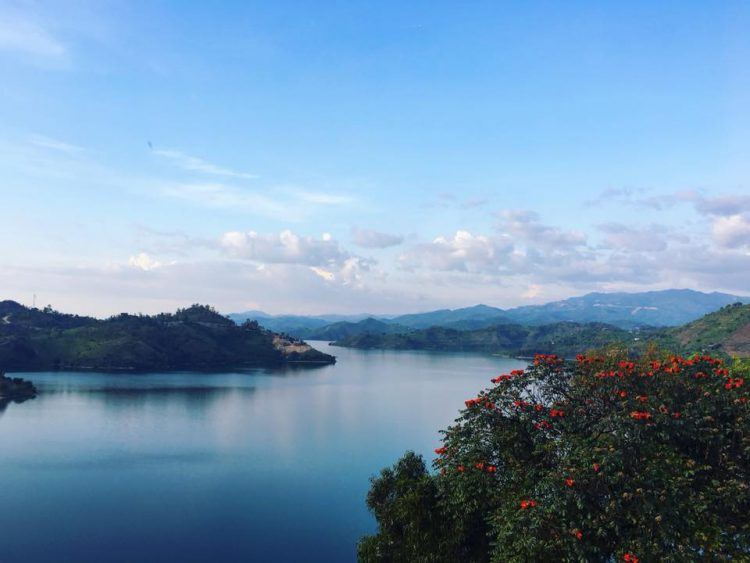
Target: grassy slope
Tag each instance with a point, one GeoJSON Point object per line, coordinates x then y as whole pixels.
{"type": "Point", "coordinates": [728, 330]}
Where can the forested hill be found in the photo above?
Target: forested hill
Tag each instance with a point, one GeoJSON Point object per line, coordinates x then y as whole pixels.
{"type": "Point", "coordinates": [194, 338]}
{"type": "Point", "coordinates": [726, 330]}
{"type": "Point", "coordinates": [512, 339]}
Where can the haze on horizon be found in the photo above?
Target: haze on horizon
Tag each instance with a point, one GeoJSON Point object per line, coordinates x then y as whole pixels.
{"type": "Point", "coordinates": [370, 157]}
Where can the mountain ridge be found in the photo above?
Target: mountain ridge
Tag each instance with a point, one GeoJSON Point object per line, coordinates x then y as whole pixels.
{"type": "Point", "coordinates": [726, 331]}
{"type": "Point", "coordinates": [672, 307]}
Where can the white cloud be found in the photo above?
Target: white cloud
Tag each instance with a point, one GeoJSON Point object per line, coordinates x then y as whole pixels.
{"type": "Point", "coordinates": [322, 256]}
{"type": "Point", "coordinates": [463, 252]}
{"type": "Point", "coordinates": [45, 142]}
{"type": "Point", "coordinates": [284, 248]}
{"type": "Point", "coordinates": [732, 231]}
{"type": "Point", "coordinates": [323, 273]}
{"type": "Point", "coordinates": [627, 238]}
{"type": "Point", "coordinates": [539, 257]}
{"type": "Point", "coordinates": [532, 292]}
{"type": "Point", "coordinates": [195, 164]}
{"type": "Point", "coordinates": [722, 206]}
{"type": "Point", "coordinates": [368, 238]}
{"type": "Point", "coordinates": [143, 262]}
{"type": "Point", "coordinates": [525, 226]}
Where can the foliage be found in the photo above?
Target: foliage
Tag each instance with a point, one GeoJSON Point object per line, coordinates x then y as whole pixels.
{"type": "Point", "coordinates": [15, 389]}
{"type": "Point", "coordinates": [194, 338]}
{"type": "Point", "coordinates": [599, 459]}
{"type": "Point", "coordinates": [565, 338]}
{"type": "Point", "coordinates": [726, 331]}
{"type": "Point", "coordinates": [343, 329]}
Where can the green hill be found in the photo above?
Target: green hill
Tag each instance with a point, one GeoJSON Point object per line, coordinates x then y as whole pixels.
{"type": "Point", "coordinates": [726, 330]}
{"type": "Point", "coordinates": [344, 329]}
{"type": "Point", "coordinates": [193, 338]}
{"type": "Point", "coordinates": [512, 339]}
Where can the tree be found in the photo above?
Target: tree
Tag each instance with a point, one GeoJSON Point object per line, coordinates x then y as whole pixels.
{"type": "Point", "coordinates": [599, 459]}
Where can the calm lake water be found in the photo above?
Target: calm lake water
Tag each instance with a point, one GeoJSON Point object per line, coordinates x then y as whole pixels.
{"type": "Point", "coordinates": [262, 465]}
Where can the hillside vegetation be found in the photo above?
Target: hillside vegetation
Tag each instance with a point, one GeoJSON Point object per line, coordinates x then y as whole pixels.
{"type": "Point", "coordinates": [512, 339]}
{"type": "Point", "coordinates": [193, 338]}
{"type": "Point", "coordinates": [726, 330]}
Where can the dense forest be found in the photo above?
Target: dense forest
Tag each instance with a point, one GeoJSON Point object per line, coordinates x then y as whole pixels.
{"type": "Point", "coordinates": [193, 338]}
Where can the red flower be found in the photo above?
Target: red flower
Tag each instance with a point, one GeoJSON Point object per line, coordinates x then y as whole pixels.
{"type": "Point", "coordinates": [569, 482]}
{"type": "Point", "coordinates": [479, 465]}
{"type": "Point", "coordinates": [441, 451]}
{"type": "Point", "coordinates": [578, 534]}
{"type": "Point", "coordinates": [460, 468]}
{"type": "Point", "coordinates": [491, 468]}
{"type": "Point", "coordinates": [640, 415]}
{"type": "Point", "coordinates": [623, 394]}
{"type": "Point", "coordinates": [630, 558]}
{"type": "Point", "coordinates": [526, 504]}
{"type": "Point", "coordinates": [596, 467]}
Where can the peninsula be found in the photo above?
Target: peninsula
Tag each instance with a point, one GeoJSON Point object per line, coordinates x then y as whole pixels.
{"type": "Point", "coordinates": [195, 338]}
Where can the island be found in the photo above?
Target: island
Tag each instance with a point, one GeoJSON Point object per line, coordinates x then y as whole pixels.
{"type": "Point", "coordinates": [194, 338]}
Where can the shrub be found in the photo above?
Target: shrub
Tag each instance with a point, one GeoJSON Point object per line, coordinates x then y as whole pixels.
{"type": "Point", "coordinates": [599, 459]}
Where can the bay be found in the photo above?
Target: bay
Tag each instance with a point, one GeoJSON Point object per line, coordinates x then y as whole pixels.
{"type": "Point", "coordinates": [258, 465]}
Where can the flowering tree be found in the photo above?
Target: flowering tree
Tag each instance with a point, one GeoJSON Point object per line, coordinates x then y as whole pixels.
{"type": "Point", "coordinates": [598, 459]}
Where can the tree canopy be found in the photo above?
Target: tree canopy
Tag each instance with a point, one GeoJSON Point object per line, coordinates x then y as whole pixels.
{"type": "Point", "coordinates": [599, 459]}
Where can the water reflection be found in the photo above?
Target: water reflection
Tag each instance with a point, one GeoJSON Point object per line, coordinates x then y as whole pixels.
{"type": "Point", "coordinates": [5, 402]}
{"type": "Point", "coordinates": [254, 465]}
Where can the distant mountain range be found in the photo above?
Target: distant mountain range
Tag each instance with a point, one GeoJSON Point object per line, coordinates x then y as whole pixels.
{"type": "Point", "coordinates": [726, 330]}
{"type": "Point", "coordinates": [194, 338]}
{"type": "Point", "coordinates": [671, 307]}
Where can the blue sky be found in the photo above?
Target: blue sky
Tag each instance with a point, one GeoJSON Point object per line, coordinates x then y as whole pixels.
{"type": "Point", "coordinates": [306, 157]}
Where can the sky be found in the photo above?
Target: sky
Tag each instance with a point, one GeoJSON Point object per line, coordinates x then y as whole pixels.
{"type": "Point", "coordinates": [380, 157]}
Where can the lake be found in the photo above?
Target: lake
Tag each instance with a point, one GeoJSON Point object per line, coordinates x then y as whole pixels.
{"type": "Point", "coordinates": [258, 465]}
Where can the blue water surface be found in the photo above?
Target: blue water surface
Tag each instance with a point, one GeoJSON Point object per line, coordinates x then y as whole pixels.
{"type": "Point", "coordinates": [260, 465]}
